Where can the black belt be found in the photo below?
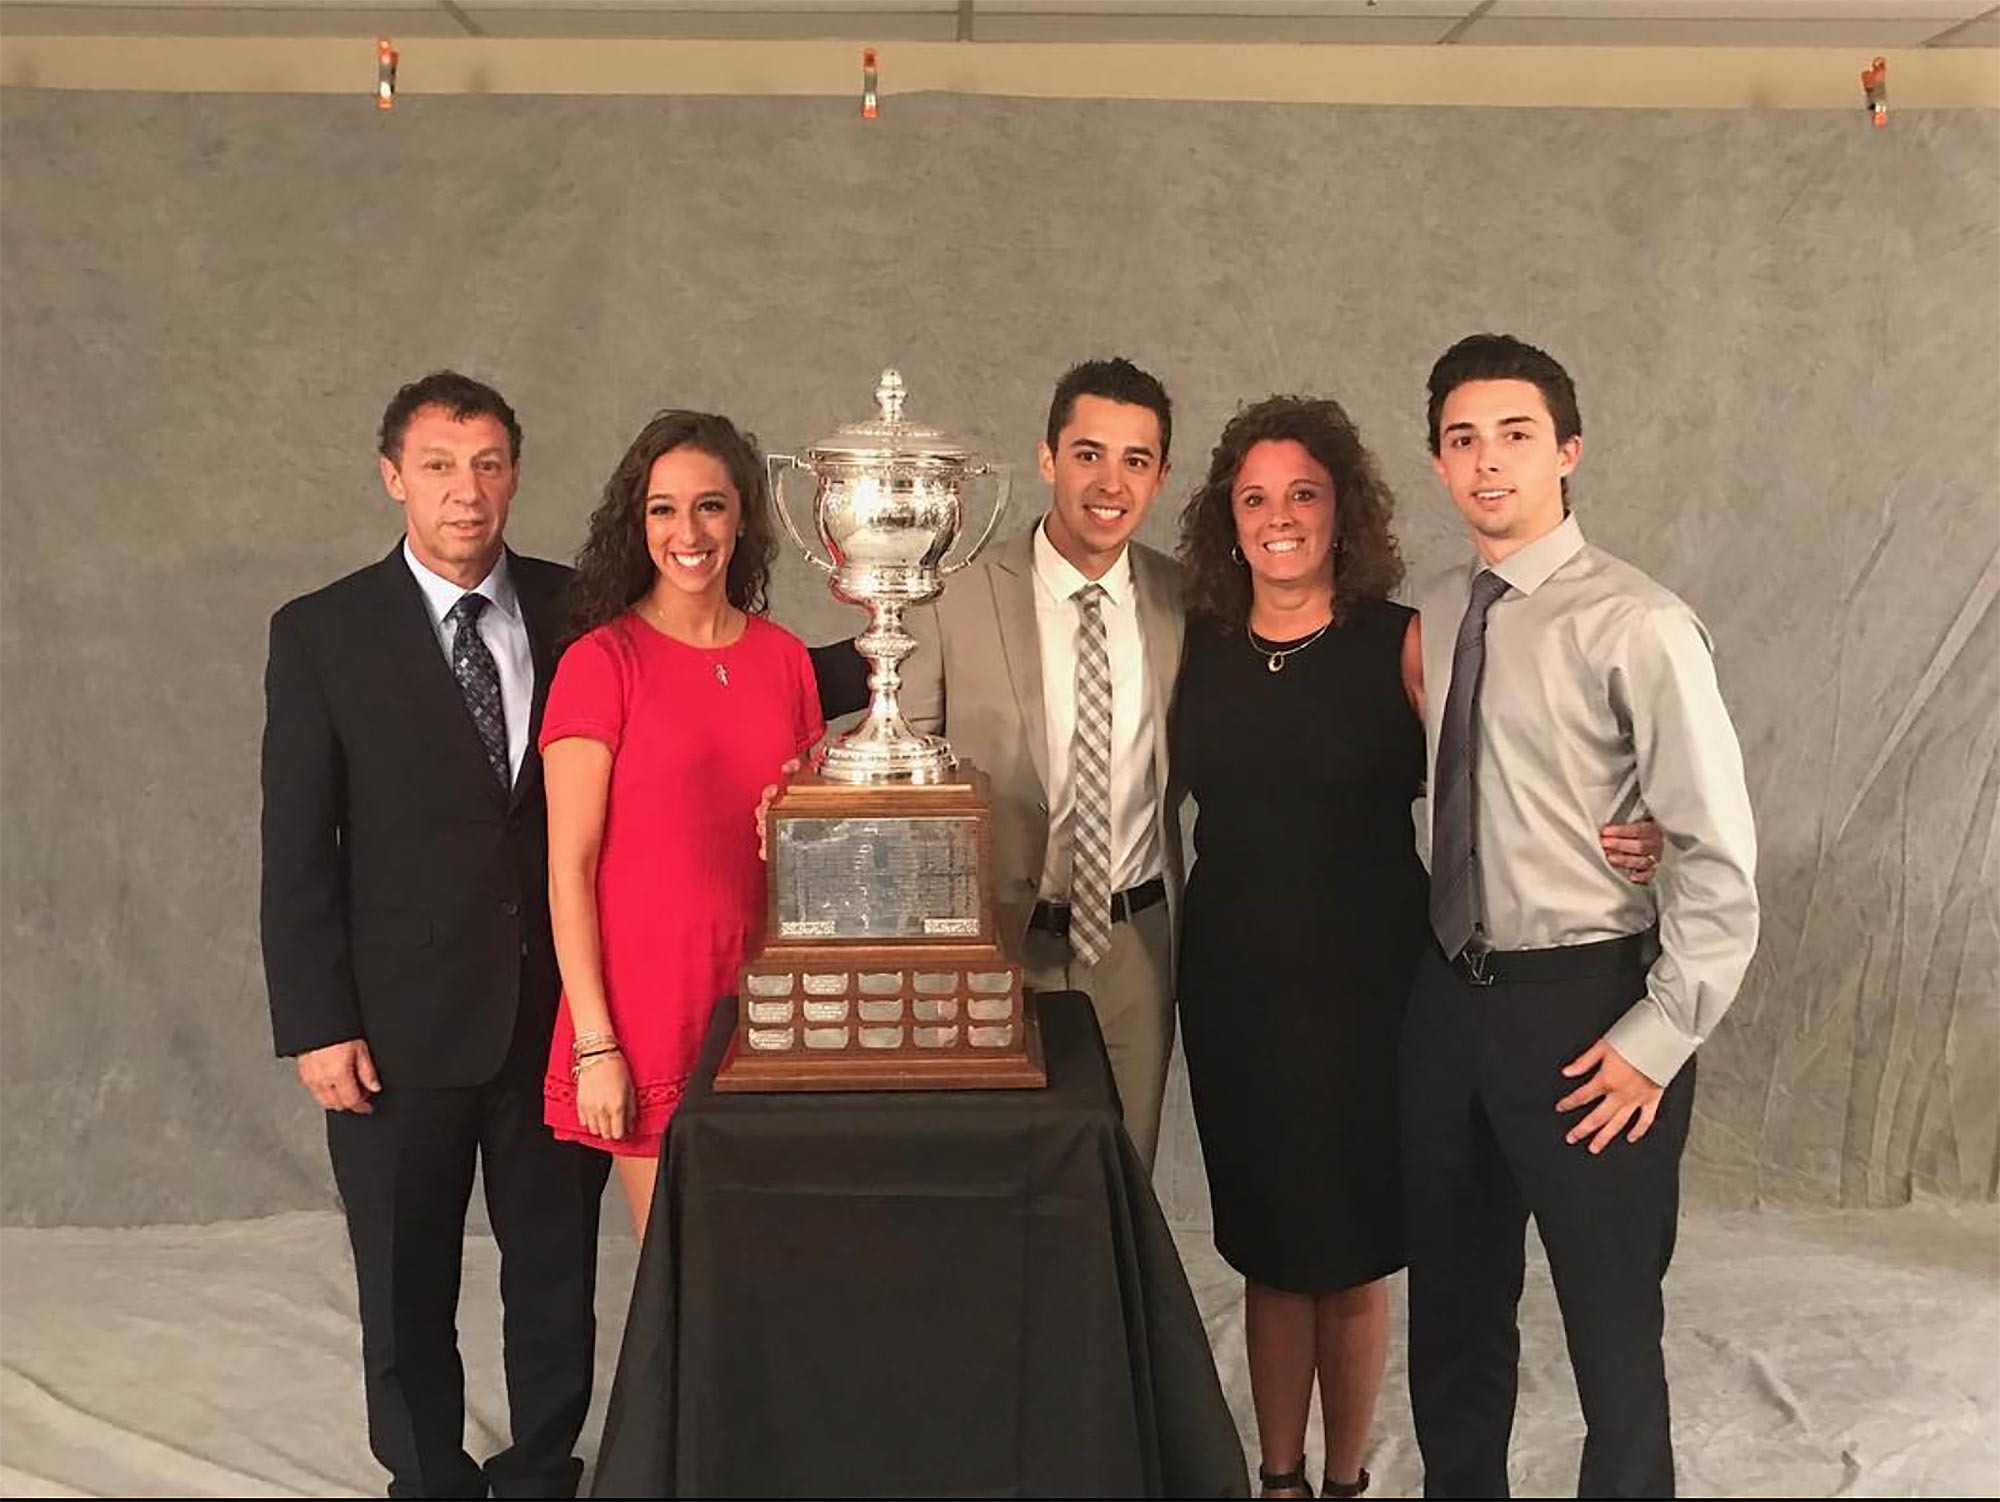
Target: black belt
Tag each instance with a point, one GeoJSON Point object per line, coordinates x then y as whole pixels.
{"type": "Point", "coordinates": [1507, 967]}
{"type": "Point", "coordinates": [1053, 917]}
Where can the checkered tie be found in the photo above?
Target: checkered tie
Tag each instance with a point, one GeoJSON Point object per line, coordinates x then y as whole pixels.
{"type": "Point", "coordinates": [1090, 786]}
{"type": "Point", "coordinates": [1455, 889]}
{"type": "Point", "coordinates": [479, 681]}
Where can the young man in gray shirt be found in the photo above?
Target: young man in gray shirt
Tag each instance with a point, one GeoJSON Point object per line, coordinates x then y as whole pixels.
{"type": "Point", "coordinates": [1548, 1058]}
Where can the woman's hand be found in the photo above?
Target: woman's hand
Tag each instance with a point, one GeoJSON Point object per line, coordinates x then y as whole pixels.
{"type": "Point", "coordinates": [605, 1104]}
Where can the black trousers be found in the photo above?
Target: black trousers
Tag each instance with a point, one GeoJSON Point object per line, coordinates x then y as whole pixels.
{"type": "Point", "coordinates": [405, 1176]}
{"type": "Point", "coordinates": [1483, 1150]}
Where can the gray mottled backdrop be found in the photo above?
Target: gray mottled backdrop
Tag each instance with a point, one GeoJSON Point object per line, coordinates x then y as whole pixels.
{"type": "Point", "coordinates": [1784, 326]}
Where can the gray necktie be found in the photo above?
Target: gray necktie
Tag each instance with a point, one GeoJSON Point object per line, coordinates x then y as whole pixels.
{"type": "Point", "coordinates": [479, 681]}
{"type": "Point", "coordinates": [1455, 890]}
{"type": "Point", "coordinates": [1090, 786]}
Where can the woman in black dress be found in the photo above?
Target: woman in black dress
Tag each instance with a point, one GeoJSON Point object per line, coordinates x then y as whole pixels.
{"type": "Point", "coordinates": [1296, 731]}
{"type": "Point", "coordinates": [1298, 728]}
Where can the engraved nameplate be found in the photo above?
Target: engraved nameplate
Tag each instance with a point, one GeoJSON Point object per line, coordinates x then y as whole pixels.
{"type": "Point", "coordinates": [769, 985]}
{"type": "Point", "coordinates": [826, 1037]}
{"type": "Point", "coordinates": [881, 1011]}
{"type": "Point", "coordinates": [930, 1010]}
{"type": "Point", "coordinates": [990, 1037]}
{"type": "Point", "coordinates": [826, 985]}
{"type": "Point", "coordinates": [989, 1008]}
{"type": "Point", "coordinates": [878, 877]}
{"type": "Point", "coordinates": [770, 1011]}
{"type": "Point", "coordinates": [935, 1037]}
{"type": "Point", "coordinates": [771, 1039]}
{"type": "Point", "coordinates": [826, 1011]}
{"type": "Point", "coordinates": [881, 1037]}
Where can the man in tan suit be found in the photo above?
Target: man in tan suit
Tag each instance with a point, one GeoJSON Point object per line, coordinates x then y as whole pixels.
{"type": "Point", "coordinates": [1050, 664]}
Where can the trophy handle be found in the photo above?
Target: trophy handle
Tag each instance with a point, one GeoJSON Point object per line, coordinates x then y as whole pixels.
{"type": "Point", "coordinates": [1003, 476]}
{"type": "Point", "coordinates": [775, 466]}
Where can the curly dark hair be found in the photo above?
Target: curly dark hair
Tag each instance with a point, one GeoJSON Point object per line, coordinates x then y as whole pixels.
{"type": "Point", "coordinates": [613, 568]}
{"type": "Point", "coordinates": [1367, 564]}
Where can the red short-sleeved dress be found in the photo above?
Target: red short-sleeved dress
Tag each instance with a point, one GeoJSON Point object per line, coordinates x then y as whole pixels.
{"type": "Point", "coordinates": [696, 735]}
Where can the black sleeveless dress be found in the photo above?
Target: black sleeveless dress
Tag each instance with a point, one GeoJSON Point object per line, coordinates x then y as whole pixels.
{"type": "Point", "coordinates": [1305, 914]}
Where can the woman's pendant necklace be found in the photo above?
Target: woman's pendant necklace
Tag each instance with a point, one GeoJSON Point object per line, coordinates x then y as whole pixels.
{"type": "Point", "coordinates": [1275, 659]}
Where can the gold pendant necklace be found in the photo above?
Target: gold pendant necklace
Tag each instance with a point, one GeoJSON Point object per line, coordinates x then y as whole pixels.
{"type": "Point", "coordinates": [1274, 658]}
{"type": "Point", "coordinates": [651, 613]}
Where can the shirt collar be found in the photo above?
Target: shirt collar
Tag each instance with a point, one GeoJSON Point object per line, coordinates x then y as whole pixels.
{"type": "Point", "coordinates": [1528, 569]}
{"type": "Point", "coordinates": [440, 594]}
{"type": "Point", "coordinates": [1062, 579]}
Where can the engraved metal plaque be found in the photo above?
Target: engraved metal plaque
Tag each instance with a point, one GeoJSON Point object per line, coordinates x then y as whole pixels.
{"type": "Point", "coordinates": [770, 1011]}
{"type": "Point", "coordinates": [990, 1037]}
{"type": "Point", "coordinates": [826, 985]}
{"type": "Point", "coordinates": [990, 981]}
{"type": "Point", "coordinates": [770, 985]}
{"type": "Point", "coordinates": [906, 877]}
{"type": "Point", "coordinates": [881, 1011]}
{"type": "Point", "coordinates": [880, 983]}
{"type": "Point", "coordinates": [933, 1010]}
{"type": "Point", "coordinates": [935, 1037]}
{"type": "Point", "coordinates": [881, 1037]}
{"type": "Point", "coordinates": [826, 1037]}
{"type": "Point", "coordinates": [935, 983]}
{"type": "Point", "coordinates": [989, 1008]}
{"type": "Point", "coordinates": [771, 1039]}
{"type": "Point", "coordinates": [826, 1011]}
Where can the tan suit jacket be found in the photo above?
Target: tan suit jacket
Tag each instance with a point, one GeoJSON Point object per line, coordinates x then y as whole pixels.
{"type": "Point", "coordinates": [976, 677]}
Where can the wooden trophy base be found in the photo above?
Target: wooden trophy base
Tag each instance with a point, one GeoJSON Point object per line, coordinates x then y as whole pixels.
{"type": "Point", "coordinates": [881, 969]}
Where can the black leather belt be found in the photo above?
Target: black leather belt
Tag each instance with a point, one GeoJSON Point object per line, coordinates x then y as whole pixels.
{"type": "Point", "coordinates": [1053, 917]}
{"type": "Point", "coordinates": [1508, 967]}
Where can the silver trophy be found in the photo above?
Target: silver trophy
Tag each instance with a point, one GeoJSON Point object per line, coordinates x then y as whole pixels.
{"type": "Point", "coordinates": [887, 511]}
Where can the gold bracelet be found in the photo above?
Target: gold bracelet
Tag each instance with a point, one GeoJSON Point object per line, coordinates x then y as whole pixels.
{"type": "Point", "coordinates": [576, 1070]}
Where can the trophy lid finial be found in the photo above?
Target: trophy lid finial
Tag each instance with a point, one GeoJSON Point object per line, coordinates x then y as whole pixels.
{"type": "Point", "coordinates": [889, 395]}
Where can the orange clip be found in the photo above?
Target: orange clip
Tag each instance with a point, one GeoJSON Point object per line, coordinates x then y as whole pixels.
{"type": "Point", "coordinates": [386, 58]}
{"type": "Point", "coordinates": [868, 109]}
{"type": "Point", "coordinates": [1875, 87]}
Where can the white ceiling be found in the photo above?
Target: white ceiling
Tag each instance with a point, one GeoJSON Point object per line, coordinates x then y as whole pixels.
{"type": "Point", "coordinates": [1865, 24]}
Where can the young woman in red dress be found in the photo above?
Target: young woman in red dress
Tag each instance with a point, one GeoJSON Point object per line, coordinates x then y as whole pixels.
{"type": "Point", "coordinates": [674, 707]}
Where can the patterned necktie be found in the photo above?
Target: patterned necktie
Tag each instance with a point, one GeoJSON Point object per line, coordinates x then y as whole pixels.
{"type": "Point", "coordinates": [1455, 890]}
{"type": "Point", "coordinates": [479, 681]}
{"type": "Point", "coordinates": [1090, 786]}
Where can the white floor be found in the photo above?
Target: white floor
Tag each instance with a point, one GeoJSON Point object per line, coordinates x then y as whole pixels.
{"type": "Point", "coordinates": [1814, 1354]}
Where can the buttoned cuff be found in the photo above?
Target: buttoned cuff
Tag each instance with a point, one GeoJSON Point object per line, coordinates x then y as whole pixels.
{"type": "Point", "coordinates": [1649, 1042]}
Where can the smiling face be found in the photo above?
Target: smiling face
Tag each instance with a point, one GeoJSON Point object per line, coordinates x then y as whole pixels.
{"type": "Point", "coordinates": [1499, 457]}
{"type": "Point", "coordinates": [1283, 505]}
{"type": "Point", "coordinates": [1105, 469]}
{"type": "Point", "coordinates": [693, 518]}
{"type": "Point", "coordinates": [455, 479]}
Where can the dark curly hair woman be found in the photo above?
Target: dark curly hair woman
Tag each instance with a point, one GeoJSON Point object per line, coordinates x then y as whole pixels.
{"type": "Point", "coordinates": [1297, 727]}
{"type": "Point", "coordinates": [674, 707]}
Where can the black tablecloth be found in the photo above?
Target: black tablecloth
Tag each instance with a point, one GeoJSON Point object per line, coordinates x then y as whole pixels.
{"type": "Point", "coordinates": [927, 1293]}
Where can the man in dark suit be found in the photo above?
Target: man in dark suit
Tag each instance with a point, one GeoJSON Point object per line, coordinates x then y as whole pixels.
{"type": "Point", "coordinates": [407, 948]}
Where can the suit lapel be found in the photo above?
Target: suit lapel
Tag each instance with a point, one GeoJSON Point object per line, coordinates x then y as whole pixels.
{"type": "Point", "coordinates": [1012, 578]}
{"type": "Point", "coordinates": [543, 614]}
{"type": "Point", "coordinates": [410, 641]}
{"type": "Point", "coordinates": [1162, 623]}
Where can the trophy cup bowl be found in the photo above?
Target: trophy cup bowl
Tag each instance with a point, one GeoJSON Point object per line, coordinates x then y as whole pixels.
{"type": "Point", "coordinates": [887, 510]}
{"type": "Point", "coordinates": [882, 966]}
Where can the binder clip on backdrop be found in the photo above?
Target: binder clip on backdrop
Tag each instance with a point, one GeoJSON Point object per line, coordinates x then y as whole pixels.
{"type": "Point", "coordinates": [868, 108]}
{"type": "Point", "coordinates": [386, 58]}
{"type": "Point", "coordinates": [1875, 86]}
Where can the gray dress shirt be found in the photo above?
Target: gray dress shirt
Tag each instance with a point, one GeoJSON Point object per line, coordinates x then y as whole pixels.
{"type": "Point", "coordinates": [1598, 705]}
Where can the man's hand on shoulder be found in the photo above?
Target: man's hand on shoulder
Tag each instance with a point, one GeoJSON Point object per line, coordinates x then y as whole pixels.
{"type": "Point", "coordinates": [341, 1076]}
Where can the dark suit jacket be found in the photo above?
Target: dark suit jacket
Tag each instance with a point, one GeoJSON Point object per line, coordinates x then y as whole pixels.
{"type": "Point", "coordinates": [405, 893]}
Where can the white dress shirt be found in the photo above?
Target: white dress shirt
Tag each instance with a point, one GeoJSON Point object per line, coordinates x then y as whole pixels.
{"type": "Point", "coordinates": [504, 630]}
{"type": "Point", "coordinates": [1135, 854]}
{"type": "Point", "coordinates": [1598, 704]}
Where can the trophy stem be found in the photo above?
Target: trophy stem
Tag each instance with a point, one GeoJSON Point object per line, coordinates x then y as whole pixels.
{"type": "Point", "coordinates": [883, 748]}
